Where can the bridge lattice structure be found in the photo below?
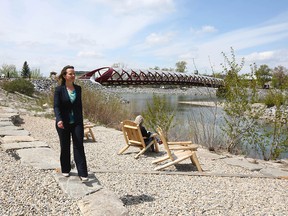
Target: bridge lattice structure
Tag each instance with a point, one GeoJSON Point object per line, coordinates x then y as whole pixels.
{"type": "Point", "coordinates": [120, 76]}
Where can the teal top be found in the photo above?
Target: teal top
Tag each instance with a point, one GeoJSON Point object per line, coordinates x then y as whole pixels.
{"type": "Point", "coordinates": [72, 96]}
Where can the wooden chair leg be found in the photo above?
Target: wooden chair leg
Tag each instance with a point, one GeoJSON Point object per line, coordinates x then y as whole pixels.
{"type": "Point", "coordinates": [156, 146]}
{"type": "Point", "coordinates": [123, 149]}
{"type": "Point", "coordinates": [87, 136]}
{"type": "Point", "coordinates": [92, 135]}
{"type": "Point", "coordinates": [161, 159]}
{"type": "Point", "coordinates": [171, 163]}
{"type": "Point", "coordinates": [195, 161]}
{"type": "Point", "coordinates": [143, 150]}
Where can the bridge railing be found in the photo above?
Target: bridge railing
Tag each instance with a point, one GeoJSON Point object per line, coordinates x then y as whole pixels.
{"type": "Point", "coordinates": [116, 76]}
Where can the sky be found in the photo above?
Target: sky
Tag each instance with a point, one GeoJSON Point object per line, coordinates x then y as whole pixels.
{"type": "Point", "coordinates": [142, 34]}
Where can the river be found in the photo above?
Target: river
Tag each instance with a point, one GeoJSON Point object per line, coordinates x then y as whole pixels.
{"type": "Point", "coordinates": [199, 123]}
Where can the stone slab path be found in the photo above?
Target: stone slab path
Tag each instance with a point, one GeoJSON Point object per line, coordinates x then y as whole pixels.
{"type": "Point", "coordinates": [23, 145]}
{"type": "Point", "coordinates": [92, 198]}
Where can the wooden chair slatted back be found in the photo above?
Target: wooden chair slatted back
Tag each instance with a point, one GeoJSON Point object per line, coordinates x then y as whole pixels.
{"type": "Point", "coordinates": [165, 143]}
{"type": "Point", "coordinates": [132, 133]}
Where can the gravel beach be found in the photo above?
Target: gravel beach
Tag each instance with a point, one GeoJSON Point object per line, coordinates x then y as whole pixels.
{"type": "Point", "coordinates": [26, 191]}
{"type": "Point", "coordinates": [151, 194]}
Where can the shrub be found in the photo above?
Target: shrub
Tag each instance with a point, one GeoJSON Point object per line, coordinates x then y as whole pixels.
{"type": "Point", "coordinates": [103, 108]}
{"type": "Point", "coordinates": [19, 85]}
{"type": "Point", "coordinates": [159, 113]}
{"type": "Point", "coordinates": [273, 98]}
{"type": "Point", "coordinates": [98, 107]}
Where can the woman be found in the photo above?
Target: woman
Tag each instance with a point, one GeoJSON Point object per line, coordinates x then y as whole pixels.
{"type": "Point", "coordinates": [69, 122]}
{"type": "Point", "coordinates": [146, 134]}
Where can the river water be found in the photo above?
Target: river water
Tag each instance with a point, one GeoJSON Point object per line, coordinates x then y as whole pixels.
{"type": "Point", "coordinates": [188, 114]}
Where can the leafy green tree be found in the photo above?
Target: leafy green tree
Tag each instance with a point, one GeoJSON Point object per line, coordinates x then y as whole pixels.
{"type": "Point", "coordinates": [25, 73]}
{"type": "Point", "coordinates": [9, 70]}
{"type": "Point", "coordinates": [239, 118]}
{"type": "Point", "coordinates": [181, 66]}
{"type": "Point", "coordinates": [263, 75]}
{"type": "Point", "coordinates": [280, 77]}
{"type": "Point", "coordinates": [242, 125]}
{"type": "Point", "coordinates": [273, 139]}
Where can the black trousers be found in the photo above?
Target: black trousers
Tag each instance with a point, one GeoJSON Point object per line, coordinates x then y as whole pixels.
{"type": "Point", "coordinates": [77, 132]}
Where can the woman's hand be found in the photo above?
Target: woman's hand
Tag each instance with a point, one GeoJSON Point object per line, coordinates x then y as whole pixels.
{"type": "Point", "coordinates": [60, 124]}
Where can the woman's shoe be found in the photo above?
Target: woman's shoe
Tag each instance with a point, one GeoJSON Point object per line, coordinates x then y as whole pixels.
{"type": "Point", "coordinates": [84, 179]}
{"type": "Point", "coordinates": [66, 174]}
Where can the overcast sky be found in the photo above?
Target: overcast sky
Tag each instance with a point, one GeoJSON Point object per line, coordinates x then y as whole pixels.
{"type": "Point", "coordinates": [89, 34]}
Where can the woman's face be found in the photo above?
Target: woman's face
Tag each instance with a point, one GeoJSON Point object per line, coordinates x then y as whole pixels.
{"type": "Point", "coordinates": [70, 75]}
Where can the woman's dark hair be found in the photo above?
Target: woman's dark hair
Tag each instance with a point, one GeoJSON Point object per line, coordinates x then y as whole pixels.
{"type": "Point", "coordinates": [61, 79]}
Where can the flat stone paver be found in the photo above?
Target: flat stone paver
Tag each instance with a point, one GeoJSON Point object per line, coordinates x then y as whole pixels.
{"type": "Point", "coordinates": [14, 132]}
{"type": "Point", "coordinates": [102, 202]}
{"type": "Point", "coordinates": [8, 110]}
{"type": "Point", "coordinates": [243, 163]}
{"type": "Point", "coordinates": [13, 139]}
{"type": "Point", "coordinates": [23, 145]}
{"type": "Point", "coordinates": [39, 158]}
{"type": "Point", "coordinates": [6, 123]}
{"type": "Point", "coordinates": [275, 172]}
{"type": "Point", "coordinates": [73, 186]}
{"type": "Point", "coordinates": [8, 115]}
{"type": "Point", "coordinates": [10, 127]}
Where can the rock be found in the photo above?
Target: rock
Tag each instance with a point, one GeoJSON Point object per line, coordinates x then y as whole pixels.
{"type": "Point", "coordinates": [22, 145]}
{"type": "Point", "coordinates": [43, 158]}
{"type": "Point", "coordinates": [274, 172]}
{"type": "Point", "coordinates": [12, 139]}
{"type": "Point", "coordinates": [73, 186]}
{"type": "Point", "coordinates": [243, 163]}
{"type": "Point", "coordinates": [103, 202]}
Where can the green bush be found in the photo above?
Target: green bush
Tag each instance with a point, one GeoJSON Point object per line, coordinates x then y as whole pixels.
{"type": "Point", "coordinates": [273, 98]}
{"type": "Point", "coordinates": [19, 85]}
{"type": "Point", "coordinates": [159, 113]}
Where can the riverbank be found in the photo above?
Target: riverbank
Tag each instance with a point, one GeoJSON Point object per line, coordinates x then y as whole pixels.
{"type": "Point", "coordinates": [226, 190]}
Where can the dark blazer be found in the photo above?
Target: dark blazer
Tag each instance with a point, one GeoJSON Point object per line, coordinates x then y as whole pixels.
{"type": "Point", "coordinates": [63, 105]}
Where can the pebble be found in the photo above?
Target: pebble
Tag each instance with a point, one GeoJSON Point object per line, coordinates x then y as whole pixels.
{"type": "Point", "coordinates": [152, 194]}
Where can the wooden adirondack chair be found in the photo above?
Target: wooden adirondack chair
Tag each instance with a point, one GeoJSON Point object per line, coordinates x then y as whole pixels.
{"type": "Point", "coordinates": [177, 152]}
{"type": "Point", "coordinates": [88, 132]}
{"type": "Point", "coordinates": [133, 137]}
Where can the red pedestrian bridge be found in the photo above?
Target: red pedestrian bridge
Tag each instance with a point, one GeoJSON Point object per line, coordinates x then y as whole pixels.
{"type": "Point", "coordinates": [120, 76]}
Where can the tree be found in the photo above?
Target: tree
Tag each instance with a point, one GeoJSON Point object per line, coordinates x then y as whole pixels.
{"type": "Point", "coordinates": [9, 70]}
{"type": "Point", "coordinates": [239, 122]}
{"type": "Point", "coordinates": [181, 66]}
{"type": "Point", "coordinates": [280, 77]}
{"type": "Point", "coordinates": [119, 65]}
{"type": "Point", "coordinates": [155, 68]}
{"type": "Point", "coordinates": [25, 73]}
{"type": "Point", "coordinates": [35, 73]}
{"type": "Point", "coordinates": [263, 75]}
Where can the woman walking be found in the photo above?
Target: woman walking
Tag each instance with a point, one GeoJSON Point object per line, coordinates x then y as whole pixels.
{"type": "Point", "coordinates": [69, 122]}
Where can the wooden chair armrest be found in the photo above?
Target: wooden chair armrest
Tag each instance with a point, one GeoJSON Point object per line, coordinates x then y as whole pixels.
{"type": "Point", "coordinates": [194, 148]}
{"type": "Point", "coordinates": [154, 135]}
{"type": "Point", "coordinates": [88, 126]}
{"type": "Point", "coordinates": [180, 143]}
